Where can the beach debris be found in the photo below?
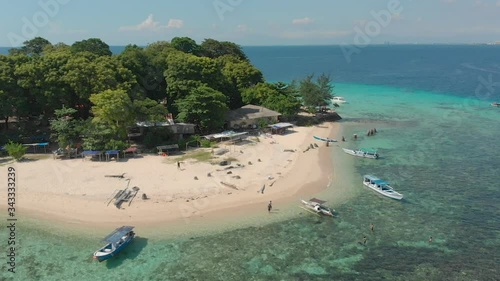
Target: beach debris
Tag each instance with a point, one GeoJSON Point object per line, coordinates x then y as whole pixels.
{"type": "Point", "coordinates": [272, 183]}
{"type": "Point", "coordinates": [195, 178]}
{"type": "Point", "coordinates": [236, 177]}
{"type": "Point", "coordinates": [259, 160]}
{"type": "Point", "coordinates": [229, 185]}
{"type": "Point", "coordinates": [229, 168]}
{"type": "Point", "coordinates": [316, 145]}
{"type": "Point", "coordinates": [262, 189]}
{"type": "Point", "coordinates": [144, 196]}
{"type": "Point", "coordinates": [209, 174]}
{"type": "Point", "coordinates": [116, 176]}
{"type": "Point", "coordinates": [224, 163]}
{"type": "Point", "coordinates": [270, 177]}
{"type": "Point", "coordinates": [229, 172]}
{"type": "Point", "coordinates": [135, 190]}
{"type": "Point", "coordinates": [249, 162]}
{"type": "Point", "coordinates": [288, 150]}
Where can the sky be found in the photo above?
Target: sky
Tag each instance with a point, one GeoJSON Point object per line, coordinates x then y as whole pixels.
{"type": "Point", "coordinates": [252, 22]}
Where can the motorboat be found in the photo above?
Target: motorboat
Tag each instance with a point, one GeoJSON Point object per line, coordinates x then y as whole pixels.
{"type": "Point", "coordinates": [381, 187]}
{"type": "Point", "coordinates": [316, 205]}
{"type": "Point", "coordinates": [495, 104]}
{"type": "Point", "coordinates": [363, 152]}
{"type": "Point", "coordinates": [338, 100]}
{"type": "Point", "coordinates": [116, 242]}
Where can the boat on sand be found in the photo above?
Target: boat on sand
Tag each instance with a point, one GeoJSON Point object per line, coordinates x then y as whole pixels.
{"type": "Point", "coordinates": [324, 139]}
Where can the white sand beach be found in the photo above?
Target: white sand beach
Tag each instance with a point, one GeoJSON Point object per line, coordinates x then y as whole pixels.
{"type": "Point", "coordinates": [77, 192]}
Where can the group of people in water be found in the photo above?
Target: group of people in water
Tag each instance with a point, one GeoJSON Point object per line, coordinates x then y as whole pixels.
{"type": "Point", "coordinates": [369, 133]}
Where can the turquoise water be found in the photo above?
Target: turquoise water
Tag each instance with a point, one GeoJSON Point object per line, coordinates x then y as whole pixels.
{"type": "Point", "coordinates": [440, 151]}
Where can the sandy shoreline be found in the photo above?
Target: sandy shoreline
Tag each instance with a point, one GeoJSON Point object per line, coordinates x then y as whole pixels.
{"type": "Point", "coordinates": [75, 193]}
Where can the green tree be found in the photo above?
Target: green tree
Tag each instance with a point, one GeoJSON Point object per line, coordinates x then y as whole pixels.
{"type": "Point", "coordinates": [278, 97]}
{"type": "Point", "coordinates": [316, 93]}
{"type": "Point", "coordinates": [213, 49]}
{"type": "Point", "coordinates": [65, 128]}
{"type": "Point", "coordinates": [187, 71]}
{"type": "Point", "coordinates": [15, 150]}
{"type": "Point", "coordinates": [35, 46]}
{"type": "Point", "coordinates": [185, 44]}
{"type": "Point", "coordinates": [93, 45]}
{"type": "Point", "coordinates": [204, 107]}
{"type": "Point", "coordinates": [12, 100]}
{"type": "Point", "coordinates": [113, 108]}
{"type": "Point", "coordinates": [149, 110]}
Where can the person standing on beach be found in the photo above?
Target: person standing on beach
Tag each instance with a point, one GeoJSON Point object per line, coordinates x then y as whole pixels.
{"type": "Point", "coordinates": [178, 165]}
{"type": "Point", "coordinates": [270, 206]}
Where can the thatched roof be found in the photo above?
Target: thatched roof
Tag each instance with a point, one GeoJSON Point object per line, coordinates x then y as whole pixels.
{"type": "Point", "coordinates": [249, 112]}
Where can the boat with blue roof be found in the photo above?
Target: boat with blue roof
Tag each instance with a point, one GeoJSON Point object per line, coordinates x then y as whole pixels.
{"type": "Point", "coordinates": [381, 187]}
{"type": "Point", "coordinates": [116, 242]}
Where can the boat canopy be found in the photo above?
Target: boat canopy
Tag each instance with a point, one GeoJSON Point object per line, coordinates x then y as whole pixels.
{"type": "Point", "coordinates": [115, 236]}
{"type": "Point", "coordinates": [372, 178]}
{"type": "Point", "coordinates": [316, 200]}
{"type": "Point", "coordinates": [380, 182]}
{"type": "Point", "coordinates": [367, 150]}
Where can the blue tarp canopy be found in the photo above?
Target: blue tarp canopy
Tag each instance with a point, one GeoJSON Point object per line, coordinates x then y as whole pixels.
{"type": "Point", "coordinates": [112, 152]}
{"type": "Point", "coordinates": [91, 152]}
{"type": "Point", "coordinates": [115, 236]}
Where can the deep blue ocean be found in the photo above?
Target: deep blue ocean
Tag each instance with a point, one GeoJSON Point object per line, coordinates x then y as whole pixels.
{"type": "Point", "coordinates": [438, 137]}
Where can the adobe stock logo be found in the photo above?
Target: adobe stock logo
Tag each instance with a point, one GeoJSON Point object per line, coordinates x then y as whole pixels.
{"type": "Point", "coordinates": [372, 29]}
{"type": "Point", "coordinates": [223, 6]}
{"type": "Point", "coordinates": [31, 26]}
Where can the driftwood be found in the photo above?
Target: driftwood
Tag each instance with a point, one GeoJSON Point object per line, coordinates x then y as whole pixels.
{"type": "Point", "coordinates": [229, 185]}
{"type": "Point", "coordinates": [116, 176]}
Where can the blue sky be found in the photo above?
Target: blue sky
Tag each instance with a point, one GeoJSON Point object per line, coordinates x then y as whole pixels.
{"type": "Point", "coordinates": [252, 22]}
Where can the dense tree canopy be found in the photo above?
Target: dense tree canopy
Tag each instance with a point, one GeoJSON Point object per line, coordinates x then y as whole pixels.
{"type": "Point", "coordinates": [93, 45]}
{"type": "Point", "coordinates": [204, 107]}
{"type": "Point", "coordinates": [85, 81]}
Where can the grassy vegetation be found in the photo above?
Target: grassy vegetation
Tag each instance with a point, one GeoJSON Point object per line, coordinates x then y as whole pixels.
{"type": "Point", "coordinates": [198, 155]}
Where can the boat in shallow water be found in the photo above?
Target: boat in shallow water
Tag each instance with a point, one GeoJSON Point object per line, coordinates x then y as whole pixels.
{"type": "Point", "coordinates": [316, 205]}
{"type": "Point", "coordinates": [363, 152]}
{"type": "Point", "coordinates": [381, 187]}
{"type": "Point", "coordinates": [495, 104]}
{"type": "Point", "coordinates": [338, 100]}
{"type": "Point", "coordinates": [116, 242]}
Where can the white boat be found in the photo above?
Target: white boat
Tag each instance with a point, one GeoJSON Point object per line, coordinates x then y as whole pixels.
{"type": "Point", "coordinates": [381, 187]}
{"type": "Point", "coordinates": [317, 206]}
{"type": "Point", "coordinates": [363, 152]}
{"type": "Point", "coordinates": [495, 104]}
{"type": "Point", "coordinates": [338, 100]}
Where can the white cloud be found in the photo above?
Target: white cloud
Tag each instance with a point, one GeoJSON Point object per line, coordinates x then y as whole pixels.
{"type": "Point", "coordinates": [175, 23]}
{"type": "Point", "coordinates": [242, 28]}
{"type": "Point", "coordinates": [304, 21]}
{"type": "Point", "coordinates": [150, 24]}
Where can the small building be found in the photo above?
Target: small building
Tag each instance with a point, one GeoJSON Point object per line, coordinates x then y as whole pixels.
{"type": "Point", "coordinates": [178, 129]}
{"type": "Point", "coordinates": [250, 116]}
{"type": "Point", "coordinates": [280, 128]}
{"type": "Point", "coordinates": [227, 136]}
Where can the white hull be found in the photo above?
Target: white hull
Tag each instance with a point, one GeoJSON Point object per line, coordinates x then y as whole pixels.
{"type": "Point", "coordinates": [382, 187]}
{"type": "Point", "coordinates": [317, 208]}
{"type": "Point", "coordinates": [360, 153]}
{"type": "Point", "coordinates": [339, 100]}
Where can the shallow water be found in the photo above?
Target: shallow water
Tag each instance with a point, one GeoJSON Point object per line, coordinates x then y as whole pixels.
{"type": "Point", "coordinates": [438, 150]}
